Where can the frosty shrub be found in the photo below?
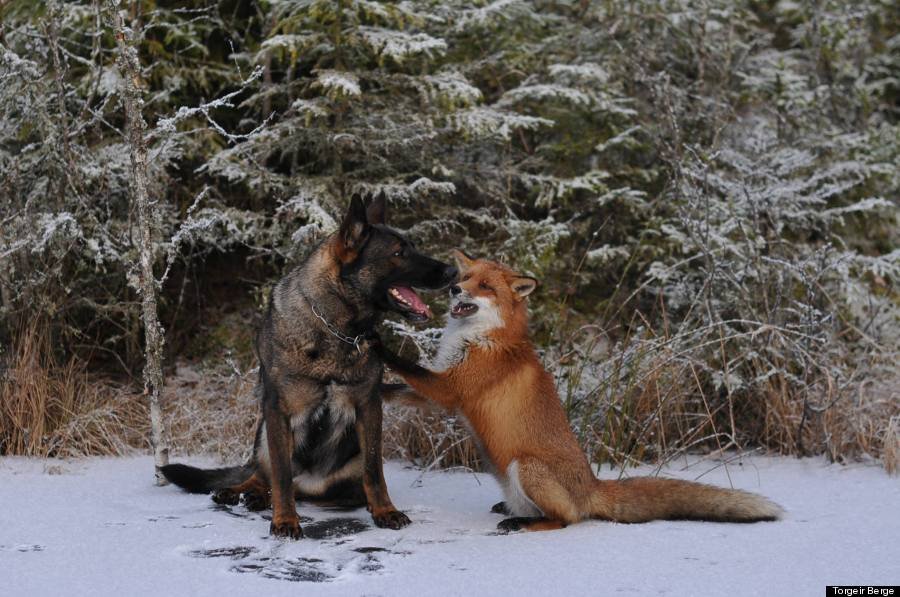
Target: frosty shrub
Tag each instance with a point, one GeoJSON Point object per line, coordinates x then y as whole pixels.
{"type": "Point", "coordinates": [708, 192]}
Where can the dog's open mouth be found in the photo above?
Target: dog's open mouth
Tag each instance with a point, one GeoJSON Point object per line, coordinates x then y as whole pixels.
{"type": "Point", "coordinates": [405, 300]}
{"type": "Point", "coordinates": [460, 310]}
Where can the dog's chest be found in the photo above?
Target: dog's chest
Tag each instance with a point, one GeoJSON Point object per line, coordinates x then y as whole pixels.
{"type": "Point", "coordinates": [325, 437]}
{"type": "Point", "coordinates": [317, 355]}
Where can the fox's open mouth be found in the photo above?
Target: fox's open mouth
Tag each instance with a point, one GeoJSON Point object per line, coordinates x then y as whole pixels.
{"type": "Point", "coordinates": [405, 300]}
{"type": "Point", "coordinates": [460, 310]}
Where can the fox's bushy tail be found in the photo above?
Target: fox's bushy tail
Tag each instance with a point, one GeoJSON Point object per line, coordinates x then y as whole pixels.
{"type": "Point", "coordinates": [648, 498]}
{"type": "Point", "coordinates": [198, 480]}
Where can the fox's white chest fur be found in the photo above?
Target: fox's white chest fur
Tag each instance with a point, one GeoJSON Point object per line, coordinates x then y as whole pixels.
{"type": "Point", "coordinates": [459, 334]}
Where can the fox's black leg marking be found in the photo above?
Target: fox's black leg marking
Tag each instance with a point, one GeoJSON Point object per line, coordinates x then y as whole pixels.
{"type": "Point", "coordinates": [500, 508]}
{"type": "Point", "coordinates": [517, 523]}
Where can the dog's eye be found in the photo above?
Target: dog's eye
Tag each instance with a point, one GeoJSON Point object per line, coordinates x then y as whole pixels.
{"type": "Point", "coordinates": [398, 253]}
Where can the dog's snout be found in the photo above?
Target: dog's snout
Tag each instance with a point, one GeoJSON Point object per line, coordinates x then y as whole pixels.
{"type": "Point", "coordinates": [450, 273]}
{"type": "Point", "coordinates": [455, 289]}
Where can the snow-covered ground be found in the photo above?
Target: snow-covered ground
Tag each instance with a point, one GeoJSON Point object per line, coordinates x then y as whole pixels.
{"type": "Point", "coordinates": [100, 527]}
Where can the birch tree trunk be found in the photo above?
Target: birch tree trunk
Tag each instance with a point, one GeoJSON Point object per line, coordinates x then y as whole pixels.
{"type": "Point", "coordinates": [132, 96]}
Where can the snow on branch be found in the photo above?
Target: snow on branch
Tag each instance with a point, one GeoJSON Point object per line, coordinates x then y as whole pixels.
{"type": "Point", "coordinates": [14, 65]}
{"type": "Point", "coordinates": [452, 87]}
{"type": "Point", "coordinates": [166, 126]}
{"type": "Point", "coordinates": [399, 45]}
{"type": "Point", "coordinates": [493, 14]}
{"type": "Point", "coordinates": [338, 83]}
{"type": "Point", "coordinates": [405, 193]}
{"type": "Point", "coordinates": [588, 72]}
{"type": "Point", "coordinates": [307, 205]}
{"type": "Point", "coordinates": [52, 225]}
{"type": "Point", "coordinates": [488, 122]}
{"type": "Point", "coordinates": [543, 93]}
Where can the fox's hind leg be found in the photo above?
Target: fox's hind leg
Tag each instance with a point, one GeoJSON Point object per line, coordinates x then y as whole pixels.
{"type": "Point", "coordinates": [529, 523]}
{"type": "Point", "coordinates": [535, 480]}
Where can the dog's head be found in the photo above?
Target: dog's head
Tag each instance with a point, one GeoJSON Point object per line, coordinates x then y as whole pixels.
{"type": "Point", "coordinates": [383, 264]}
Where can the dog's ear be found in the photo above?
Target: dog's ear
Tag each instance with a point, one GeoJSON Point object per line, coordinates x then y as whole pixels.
{"type": "Point", "coordinates": [463, 261]}
{"type": "Point", "coordinates": [354, 231]}
{"type": "Point", "coordinates": [376, 212]}
{"type": "Point", "coordinates": [523, 286]}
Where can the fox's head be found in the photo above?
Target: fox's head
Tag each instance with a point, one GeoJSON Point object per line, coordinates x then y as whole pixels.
{"type": "Point", "coordinates": [489, 294]}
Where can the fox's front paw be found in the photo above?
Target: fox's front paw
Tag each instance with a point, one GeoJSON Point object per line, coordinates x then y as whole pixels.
{"type": "Point", "coordinates": [510, 525]}
{"type": "Point", "coordinates": [500, 508]}
{"type": "Point", "coordinates": [286, 527]}
{"type": "Point", "coordinates": [391, 519]}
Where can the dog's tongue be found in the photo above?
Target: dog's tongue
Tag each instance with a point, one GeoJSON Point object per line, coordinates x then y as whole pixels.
{"type": "Point", "coordinates": [416, 305]}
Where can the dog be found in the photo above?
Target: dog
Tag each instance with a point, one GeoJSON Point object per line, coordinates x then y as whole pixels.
{"type": "Point", "coordinates": [320, 433]}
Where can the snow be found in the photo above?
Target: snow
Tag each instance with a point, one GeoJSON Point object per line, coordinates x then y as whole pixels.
{"type": "Point", "coordinates": [587, 71]}
{"type": "Point", "coordinates": [545, 92]}
{"type": "Point", "coordinates": [333, 81]}
{"type": "Point", "coordinates": [489, 122]}
{"type": "Point", "coordinates": [400, 45]}
{"type": "Point", "coordinates": [100, 527]}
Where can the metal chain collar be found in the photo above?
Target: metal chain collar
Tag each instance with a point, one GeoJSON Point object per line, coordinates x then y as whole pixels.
{"type": "Point", "coordinates": [352, 340]}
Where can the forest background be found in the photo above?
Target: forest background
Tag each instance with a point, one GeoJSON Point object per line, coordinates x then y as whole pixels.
{"type": "Point", "coordinates": [707, 191]}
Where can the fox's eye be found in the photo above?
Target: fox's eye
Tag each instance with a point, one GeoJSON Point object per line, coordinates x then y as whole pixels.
{"type": "Point", "coordinates": [484, 285]}
{"type": "Point", "coordinates": [466, 278]}
{"type": "Point", "coordinates": [398, 253]}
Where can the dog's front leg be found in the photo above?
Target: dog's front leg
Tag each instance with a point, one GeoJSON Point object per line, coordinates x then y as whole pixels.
{"type": "Point", "coordinates": [285, 522]}
{"type": "Point", "coordinates": [368, 427]}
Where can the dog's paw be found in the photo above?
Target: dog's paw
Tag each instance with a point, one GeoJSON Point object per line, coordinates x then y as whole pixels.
{"type": "Point", "coordinates": [392, 519]}
{"type": "Point", "coordinates": [288, 528]}
{"type": "Point", "coordinates": [500, 508]}
{"type": "Point", "coordinates": [510, 525]}
{"type": "Point", "coordinates": [226, 497]}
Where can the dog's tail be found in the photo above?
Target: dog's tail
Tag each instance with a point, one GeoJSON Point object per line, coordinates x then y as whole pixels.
{"type": "Point", "coordinates": [198, 480]}
{"type": "Point", "coordinates": [646, 498]}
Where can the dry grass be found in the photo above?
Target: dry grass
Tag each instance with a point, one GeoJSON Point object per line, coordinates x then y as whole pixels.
{"type": "Point", "coordinates": [48, 409]}
{"type": "Point", "coordinates": [53, 410]}
{"type": "Point", "coordinates": [657, 398]}
{"type": "Point", "coordinates": [650, 402]}
{"type": "Point", "coordinates": [428, 438]}
{"type": "Point", "coordinates": [211, 412]}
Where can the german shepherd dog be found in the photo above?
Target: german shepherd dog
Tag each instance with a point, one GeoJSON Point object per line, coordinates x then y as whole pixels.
{"type": "Point", "coordinates": [320, 433]}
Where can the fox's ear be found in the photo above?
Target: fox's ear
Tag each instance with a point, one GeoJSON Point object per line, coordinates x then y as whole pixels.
{"type": "Point", "coordinates": [354, 231]}
{"type": "Point", "coordinates": [523, 286]}
{"type": "Point", "coordinates": [463, 261]}
{"type": "Point", "coordinates": [376, 212]}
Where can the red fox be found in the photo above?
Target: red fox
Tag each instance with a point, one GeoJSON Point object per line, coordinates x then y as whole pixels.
{"type": "Point", "coordinates": [487, 370]}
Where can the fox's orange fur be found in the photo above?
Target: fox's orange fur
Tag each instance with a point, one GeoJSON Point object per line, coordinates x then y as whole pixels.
{"type": "Point", "coordinates": [487, 370]}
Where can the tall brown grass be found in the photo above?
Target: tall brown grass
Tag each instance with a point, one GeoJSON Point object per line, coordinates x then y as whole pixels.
{"type": "Point", "coordinates": [54, 409]}
{"type": "Point", "coordinates": [657, 398]}
{"type": "Point", "coordinates": [650, 402]}
{"type": "Point", "coordinates": [428, 438]}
